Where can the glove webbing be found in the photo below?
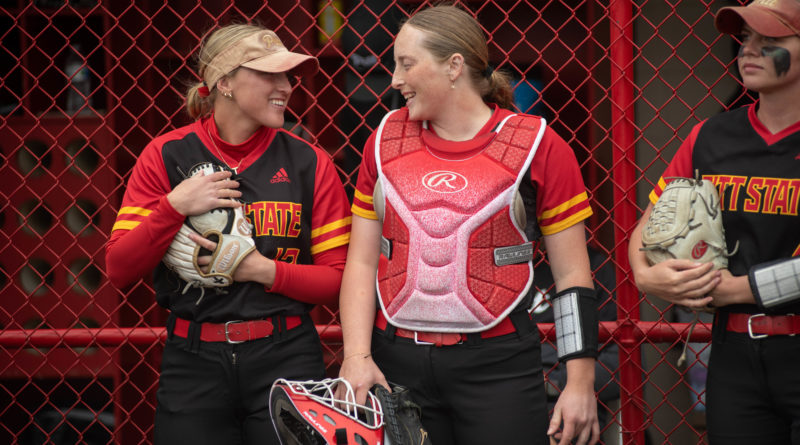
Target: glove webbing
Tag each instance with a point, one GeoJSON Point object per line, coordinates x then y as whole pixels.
{"type": "Point", "coordinates": [396, 405]}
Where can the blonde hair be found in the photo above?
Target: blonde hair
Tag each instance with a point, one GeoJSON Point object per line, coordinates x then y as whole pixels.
{"type": "Point", "coordinates": [451, 30]}
{"type": "Point", "coordinates": [198, 106]}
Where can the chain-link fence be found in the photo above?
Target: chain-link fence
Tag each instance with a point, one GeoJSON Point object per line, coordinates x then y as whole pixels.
{"type": "Point", "coordinates": [86, 84]}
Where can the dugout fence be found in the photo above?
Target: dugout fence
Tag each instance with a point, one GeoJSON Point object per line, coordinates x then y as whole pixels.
{"type": "Point", "coordinates": [85, 84]}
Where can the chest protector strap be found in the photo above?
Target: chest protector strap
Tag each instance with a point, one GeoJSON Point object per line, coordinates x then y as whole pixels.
{"type": "Point", "coordinates": [455, 257]}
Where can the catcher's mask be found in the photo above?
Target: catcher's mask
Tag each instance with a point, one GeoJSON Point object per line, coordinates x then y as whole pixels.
{"type": "Point", "coordinates": [308, 413]}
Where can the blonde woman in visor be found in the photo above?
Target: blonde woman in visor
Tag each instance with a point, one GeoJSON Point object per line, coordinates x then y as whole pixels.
{"type": "Point", "coordinates": [225, 349]}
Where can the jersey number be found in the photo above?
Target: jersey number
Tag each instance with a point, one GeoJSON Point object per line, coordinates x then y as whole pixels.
{"type": "Point", "coordinates": [287, 255]}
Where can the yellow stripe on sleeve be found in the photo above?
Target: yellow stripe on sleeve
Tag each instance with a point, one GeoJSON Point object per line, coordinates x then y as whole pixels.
{"type": "Point", "coordinates": [331, 226]}
{"type": "Point", "coordinates": [364, 213]}
{"type": "Point", "coordinates": [577, 199]}
{"type": "Point", "coordinates": [125, 225]}
{"type": "Point", "coordinates": [134, 211]}
{"type": "Point", "coordinates": [363, 198]}
{"type": "Point", "coordinates": [568, 222]}
{"type": "Point", "coordinates": [653, 197]}
{"type": "Point", "coordinates": [661, 185]}
{"type": "Point", "coordinates": [330, 244]}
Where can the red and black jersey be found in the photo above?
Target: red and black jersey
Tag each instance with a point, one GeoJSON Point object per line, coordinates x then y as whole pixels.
{"type": "Point", "coordinates": [292, 195]}
{"type": "Point", "coordinates": [757, 175]}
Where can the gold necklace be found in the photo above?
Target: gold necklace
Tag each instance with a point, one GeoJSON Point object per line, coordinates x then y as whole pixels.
{"type": "Point", "coordinates": [222, 158]}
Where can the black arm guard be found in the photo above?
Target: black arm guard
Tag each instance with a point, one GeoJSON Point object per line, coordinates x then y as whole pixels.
{"type": "Point", "coordinates": [575, 312]}
{"type": "Point", "coordinates": [776, 283]}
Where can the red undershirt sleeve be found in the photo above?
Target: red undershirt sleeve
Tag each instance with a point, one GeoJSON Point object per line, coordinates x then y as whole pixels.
{"type": "Point", "coordinates": [132, 254]}
{"type": "Point", "coordinates": [146, 222]}
{"type": "Point", "coordinates": [312, 283]}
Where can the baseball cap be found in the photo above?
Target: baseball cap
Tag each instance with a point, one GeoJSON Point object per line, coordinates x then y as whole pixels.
{"type": "Point", "coordinates": [771, 18]}
{"type": "Point", "coordinates": [262, 51]}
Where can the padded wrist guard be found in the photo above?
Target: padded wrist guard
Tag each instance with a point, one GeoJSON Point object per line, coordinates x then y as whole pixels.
{"type": "Point", "coordinates": [575, 312]}
{"type": "Point", "coordinates": [776, 283]}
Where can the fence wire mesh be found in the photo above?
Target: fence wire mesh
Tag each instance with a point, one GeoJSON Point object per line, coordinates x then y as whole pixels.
{"type": "Point", "coordinates": [85, 84]}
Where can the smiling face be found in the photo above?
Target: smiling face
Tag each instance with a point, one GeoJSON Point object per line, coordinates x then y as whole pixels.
{"type": "Point", "coordinates": [423, 81]}
{"type": "Point", "coordinates": [260, 97]}
{"type": "Point", "coordinates": [768, 64]}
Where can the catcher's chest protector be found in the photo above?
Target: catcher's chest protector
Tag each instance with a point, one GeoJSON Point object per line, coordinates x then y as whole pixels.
{"type": "Point", "coordinates": [444, 221]}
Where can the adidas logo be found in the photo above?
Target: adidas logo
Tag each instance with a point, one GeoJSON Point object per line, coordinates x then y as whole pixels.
{"type": "Point", "coordinates": [280, 176]}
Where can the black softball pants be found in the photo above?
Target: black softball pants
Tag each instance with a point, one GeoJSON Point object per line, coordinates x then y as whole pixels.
{"type": "Point", "coordinates": [753, 390]}
{"type": "Point", "coordinates": [486, 391]}
{"type": "Point", "coordinates": [217, 393]}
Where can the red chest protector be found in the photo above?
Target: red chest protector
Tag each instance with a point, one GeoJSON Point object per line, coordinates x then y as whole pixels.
{"type": "Point", "coordinates": [455, 257]}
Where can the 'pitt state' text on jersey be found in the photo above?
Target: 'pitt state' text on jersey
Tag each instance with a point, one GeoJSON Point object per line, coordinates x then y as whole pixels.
{"type": "Point", "coordinates": [278, 188]}
{"type": "Point", "coordinates": [757, 175]}
{"type": "Point", "coordinates": [551, 187]}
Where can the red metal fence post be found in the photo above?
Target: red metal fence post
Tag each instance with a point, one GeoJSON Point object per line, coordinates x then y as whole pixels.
{"type": "Point", "coordinates": [624, 157]}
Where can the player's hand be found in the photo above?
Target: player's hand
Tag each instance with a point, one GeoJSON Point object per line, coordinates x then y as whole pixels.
{"type": "Point", "coordinates": [575, 417]}
{"type": "Point", "coordinates": [732, 290]}
{"type": "Point", "coordinates": [254, 267]}
{"type": "Point", "coordinates": [682, 282]}
{"type": "Point", "coordinates": [201, 193]}
{"type": "Point", "coordinates": [362, 373]}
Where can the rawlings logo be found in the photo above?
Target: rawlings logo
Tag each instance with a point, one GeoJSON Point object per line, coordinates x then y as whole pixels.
{"type": "Point", "coordinates": [699, 249]}
{"type": "Point", "coordinates": [444, 182]}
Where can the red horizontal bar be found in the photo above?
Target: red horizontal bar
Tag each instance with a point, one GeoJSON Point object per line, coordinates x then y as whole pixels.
{"type": "Point", "coordinates": [654, 331]}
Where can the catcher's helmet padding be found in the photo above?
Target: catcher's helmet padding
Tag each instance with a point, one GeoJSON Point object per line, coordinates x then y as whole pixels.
{"type": "Point", "coordinates": [291, 427]}
{"type": "Point", "coordinates": [308, 413]}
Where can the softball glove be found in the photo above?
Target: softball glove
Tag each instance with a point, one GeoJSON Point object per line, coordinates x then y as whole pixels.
{"type": "Point", "coordinates": [401, 416]}
{"type": "Point", "coordinates": [228, 227]}
{"type": "Point", "coordinates": [686, 223]}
